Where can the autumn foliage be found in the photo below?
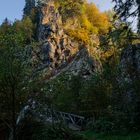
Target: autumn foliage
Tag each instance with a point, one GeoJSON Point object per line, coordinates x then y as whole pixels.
{"type": "Point", "coordinates": [88, 20]}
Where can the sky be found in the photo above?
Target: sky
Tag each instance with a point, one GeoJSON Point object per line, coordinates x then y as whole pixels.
{"type": "Point", "coordinates": [103, 4]}
{"type": "Point", "coordinates": [12, 9]}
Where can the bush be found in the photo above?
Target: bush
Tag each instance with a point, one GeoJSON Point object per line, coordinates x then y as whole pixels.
{"type": "Point", "coordinates": [103, 125]}
{"type": "Point", "coordinates": [39, 131]}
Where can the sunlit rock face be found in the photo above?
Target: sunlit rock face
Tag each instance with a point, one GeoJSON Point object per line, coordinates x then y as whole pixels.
{"type": "Point", "coordinates": [50, 20]}
{"type": "Point", "coordinates": [56, 47]}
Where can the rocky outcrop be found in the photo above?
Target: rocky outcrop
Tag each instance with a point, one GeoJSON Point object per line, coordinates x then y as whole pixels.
{"type": "Point", "coordinates": [82, 64]}
{"type": "Point", "coordinates": [60, 54]}
{"type": "Point", "coordinates": [56, 47]}
{"type": "Point", "coordinates": [129, 74]}
{"type": "Point", "coordinates": [130, 63]}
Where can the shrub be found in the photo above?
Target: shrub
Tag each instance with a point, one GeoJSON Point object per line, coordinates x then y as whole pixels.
{"type": "Point", "coordinates": [34, 130]}
{"type": "Point", "coordinates": [81, 35]}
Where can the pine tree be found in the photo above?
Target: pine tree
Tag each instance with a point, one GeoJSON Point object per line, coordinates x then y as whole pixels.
{"type": "Point", "coordinates": [29, 5]}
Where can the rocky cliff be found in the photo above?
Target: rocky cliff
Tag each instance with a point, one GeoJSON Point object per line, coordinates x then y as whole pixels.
{"type": "Point", "coordinates": [56, 47]}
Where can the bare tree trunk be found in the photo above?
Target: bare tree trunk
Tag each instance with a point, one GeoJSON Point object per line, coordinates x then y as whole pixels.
{"type": "Point", "coordinates": [13, 113]}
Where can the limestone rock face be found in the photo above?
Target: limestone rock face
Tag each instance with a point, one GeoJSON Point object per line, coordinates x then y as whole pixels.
{"type": "Point", "coordinates": [56, 46]}
{"type": "Point", "coordinates": [84, 64]}
{"type": "Point", "coordinates": [130, 63]}
{"type": "Point", "coordinates": [129, 77]}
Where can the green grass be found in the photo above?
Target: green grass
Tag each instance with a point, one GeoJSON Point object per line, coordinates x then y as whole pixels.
{"type": "Point", "coordinates": [98, 136]}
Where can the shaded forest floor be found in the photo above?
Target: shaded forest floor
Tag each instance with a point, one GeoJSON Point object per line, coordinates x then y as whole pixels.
{"type": "Point", "coordinates": [90, 135]}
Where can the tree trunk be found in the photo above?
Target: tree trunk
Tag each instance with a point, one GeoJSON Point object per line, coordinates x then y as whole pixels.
{"type": "Point", "coordinates": [13, 113]}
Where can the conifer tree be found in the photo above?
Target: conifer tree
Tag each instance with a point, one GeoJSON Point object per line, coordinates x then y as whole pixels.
{"type": "Point", "coordinates": [29, 5]}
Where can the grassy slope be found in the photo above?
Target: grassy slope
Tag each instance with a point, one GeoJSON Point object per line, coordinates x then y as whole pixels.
{"type": "Point", "coordinates": [94, 136]}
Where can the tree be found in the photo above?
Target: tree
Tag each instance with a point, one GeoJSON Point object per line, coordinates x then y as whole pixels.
{"type": "Point", "coordinates": [126, 9]}
{"type": "Point", "coordinates": [25, 28]}
{"type": "Point", "coordinates": [14, 76]}
{"type": "Point", "coordinates": [31, 18]}
{"type": "Point", "coordinates": [98, 19]}
{"type": "Point", "coordinates": [70, 8]}
{"type": "Point", "coordinates": [29, 5]}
